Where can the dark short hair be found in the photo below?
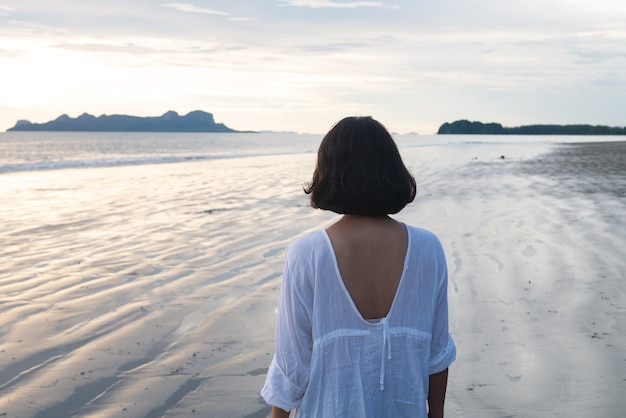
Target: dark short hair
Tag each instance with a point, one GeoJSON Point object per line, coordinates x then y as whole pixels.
{"type": "Point", "coordinates": [359, 171]}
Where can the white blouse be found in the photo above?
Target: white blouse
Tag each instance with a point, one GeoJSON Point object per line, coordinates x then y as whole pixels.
{"type": "Point", "coordinates": [330, 362]}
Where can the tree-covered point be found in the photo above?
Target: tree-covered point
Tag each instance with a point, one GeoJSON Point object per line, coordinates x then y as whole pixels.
{"type": "Point", "coordinates": [465, 127]}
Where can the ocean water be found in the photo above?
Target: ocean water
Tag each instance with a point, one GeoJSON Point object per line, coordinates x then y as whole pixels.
{"type": "Point", "coordinates": [34, 151]}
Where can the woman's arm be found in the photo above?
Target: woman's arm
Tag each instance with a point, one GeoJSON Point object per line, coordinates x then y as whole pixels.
{"type": "Point", "coordinates": [437, 393]}
{"type": "Point", "coordinates": [279, 413]}
{"type": "Point", "coordinates": [288, 373]}
{"type": "Point", "coordinates": [443, 350]}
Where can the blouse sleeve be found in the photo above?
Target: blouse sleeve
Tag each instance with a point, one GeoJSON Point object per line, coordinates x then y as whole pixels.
{"type": "Point", "coordinates": [288, 373]}
{"type": "Point", "coordinates": [443, 350]}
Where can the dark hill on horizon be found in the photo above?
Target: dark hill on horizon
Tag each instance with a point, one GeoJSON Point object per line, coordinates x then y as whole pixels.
{"type": "Point", "coordinates": [196, 121]}
{"type": "Point", "coordinates": [465, 127]}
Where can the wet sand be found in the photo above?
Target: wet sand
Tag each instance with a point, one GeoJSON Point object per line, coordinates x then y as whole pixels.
{"type": "Point", "coordinates": [150, 291]}
{"type": "Point", "coordinates": [537, 282]}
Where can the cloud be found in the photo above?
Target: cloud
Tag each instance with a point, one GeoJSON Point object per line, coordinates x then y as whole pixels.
{"type": "Point", "coordinates": [334, 47]}
{"type": "Point", "coordinates": [319, 4]}
{"type": "Point", "coordinates": [98, 47]}
{"type": "Point", "coordinates": [242, 19]}
{"type": "Point", "coordinates": [6, 10]}
{"type": "Point", "coordinates": [11, 53]}
{"type": "Point", "coordinates": [23, 28]}
{"type": "Point", "coordinates": [190, 8]}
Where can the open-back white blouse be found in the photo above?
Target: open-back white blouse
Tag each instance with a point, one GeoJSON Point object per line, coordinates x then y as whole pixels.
{"type": "Point", "coordinates": [330, 362]}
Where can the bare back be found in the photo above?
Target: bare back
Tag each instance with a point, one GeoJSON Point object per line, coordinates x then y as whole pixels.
{"type": "Point", "coordinates": [371, 253]}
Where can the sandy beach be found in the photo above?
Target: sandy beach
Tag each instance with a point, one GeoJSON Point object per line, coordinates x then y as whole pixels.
{"type": "Point", "coordinates": [537, 282]}
{"type": "Point", "coordinates": [150, 291]}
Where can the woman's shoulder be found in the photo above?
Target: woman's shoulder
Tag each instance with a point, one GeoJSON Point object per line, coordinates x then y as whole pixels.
{"type": "Point", "coordinates": [424, 241]}
{"type": "Point", "coordinates": [422, 235]}
{"type": "Point", "coordinates": [308, 239]}
{"type": "Point", "coordinates": [307, 244]}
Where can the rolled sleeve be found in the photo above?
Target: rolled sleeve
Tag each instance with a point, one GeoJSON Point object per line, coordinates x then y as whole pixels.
{"type": "Point", "coordinates": [279, 390]}
{"type": "Point", "coordinates": [444, 358]}
{"type": "Point", "coordinates": [443, 349]}
{"type": "Point", "coordinates": [288, 374]}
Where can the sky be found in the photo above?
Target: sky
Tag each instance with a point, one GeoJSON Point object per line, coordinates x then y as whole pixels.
{"type": "Point", "coordinates": [302, 65]}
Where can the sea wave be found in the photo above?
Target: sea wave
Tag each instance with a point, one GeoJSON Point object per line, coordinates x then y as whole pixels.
{"type": "Point", "coordinates": [125, 161]}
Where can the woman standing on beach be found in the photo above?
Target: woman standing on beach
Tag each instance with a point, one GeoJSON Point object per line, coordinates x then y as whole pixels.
{"type": "Point", "coordinates": [362, 325]}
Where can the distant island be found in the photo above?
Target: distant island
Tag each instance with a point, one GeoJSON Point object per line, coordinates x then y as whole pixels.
{"type": "Point", "coordinates": [196, 121]}
{"type": "Point", "coordinates": [465, 127]}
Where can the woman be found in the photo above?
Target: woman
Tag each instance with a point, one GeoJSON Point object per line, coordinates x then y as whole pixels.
{"type": "Point", "coordinates": [362, 325]}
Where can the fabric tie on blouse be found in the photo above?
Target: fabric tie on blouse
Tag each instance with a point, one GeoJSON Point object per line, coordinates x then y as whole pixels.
{"type": "Point", "coordinates": [386, 350]}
